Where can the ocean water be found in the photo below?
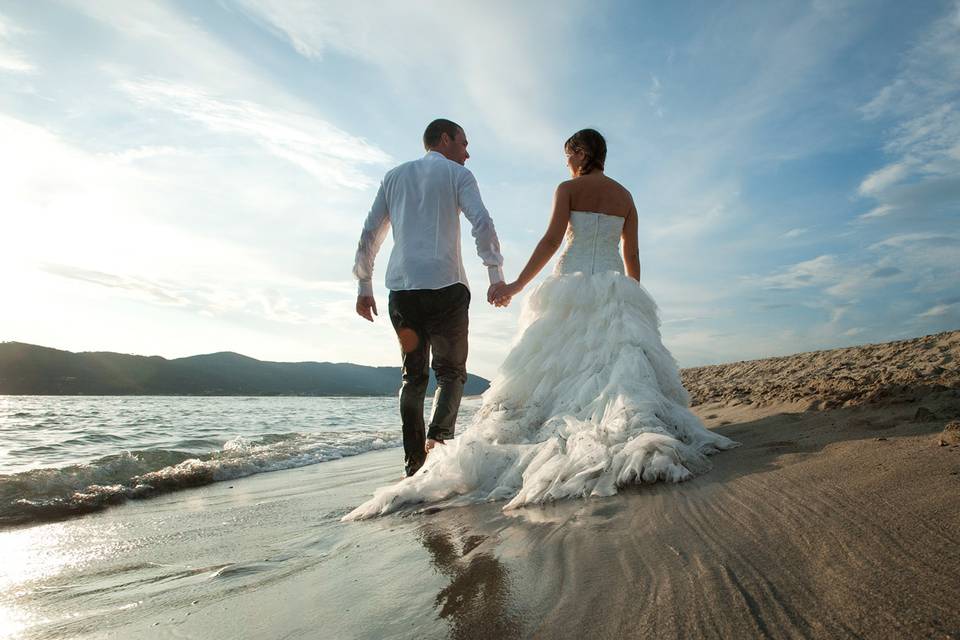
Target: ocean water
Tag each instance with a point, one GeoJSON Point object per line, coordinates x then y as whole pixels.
{"type": "Point", "coordinates": [63, 456]}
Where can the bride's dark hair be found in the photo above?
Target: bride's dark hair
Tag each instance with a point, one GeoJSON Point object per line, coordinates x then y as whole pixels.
{"type": "Point", "coordinates": [593, 146]}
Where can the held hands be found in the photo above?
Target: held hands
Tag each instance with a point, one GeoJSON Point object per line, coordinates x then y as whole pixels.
{"type": "Point", "coordinates": [494, 295]}
{"type": "Point", "coordinates": [500, 293]}
{"type": "Point", "coordinates": [366, 304]}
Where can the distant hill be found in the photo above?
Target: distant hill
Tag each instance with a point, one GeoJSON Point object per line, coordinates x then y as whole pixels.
{"type": "Point", "coordinates": [27, 369]}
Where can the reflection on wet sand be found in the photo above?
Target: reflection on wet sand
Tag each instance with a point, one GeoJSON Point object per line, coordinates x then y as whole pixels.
{"type": "Point", "coordinates": [475, 603]}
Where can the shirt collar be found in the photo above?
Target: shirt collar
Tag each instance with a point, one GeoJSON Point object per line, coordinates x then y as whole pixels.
{"type": "Point", "coordinates": [435, 153]}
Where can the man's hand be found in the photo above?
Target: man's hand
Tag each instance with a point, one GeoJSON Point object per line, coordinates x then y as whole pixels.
{"type": "Point", "coordinates": [366, 304]}
{"type": "Point", "coordinates": [494, 290]}
{"type": "Point", "coordinates": [500, 293]}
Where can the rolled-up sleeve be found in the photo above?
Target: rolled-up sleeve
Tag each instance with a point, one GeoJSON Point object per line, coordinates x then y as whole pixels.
{"type": "Point", "coordinates": [374, 232]}
{"type": "Point", "coordinates": [488, 245]}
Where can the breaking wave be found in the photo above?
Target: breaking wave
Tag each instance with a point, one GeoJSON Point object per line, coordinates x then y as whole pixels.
{"type": "Point", "coordinates": [55, 493]}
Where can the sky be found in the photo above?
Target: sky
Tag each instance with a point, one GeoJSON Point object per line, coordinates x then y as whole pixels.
{"type": "Point", "coordinates": [180, 178]}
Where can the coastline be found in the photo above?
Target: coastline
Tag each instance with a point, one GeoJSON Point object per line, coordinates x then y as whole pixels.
{"type": "Point", "coordinates": [830, 523]}
{"type": "Point", "coordinates": [837, 517]}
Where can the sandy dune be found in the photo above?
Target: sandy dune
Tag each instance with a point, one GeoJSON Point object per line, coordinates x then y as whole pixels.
{"type": "Point", "coordinates": [901, 371]}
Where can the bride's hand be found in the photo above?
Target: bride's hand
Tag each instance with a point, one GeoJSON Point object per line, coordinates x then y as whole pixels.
{"type": "Point", "coordinates": [506, 293]}
{"type": "Point", "coordinates": [495, 292]}
{"type": "Point", "coordinates": [512, 289]}
{"type": "Point", "coordinates": [500, 293]}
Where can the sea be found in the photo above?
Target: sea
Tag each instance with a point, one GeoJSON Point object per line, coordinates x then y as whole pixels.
{"type": "Point", "coordinates": [65, 456]}
{"type": "Point", "coordinates": [209, 517]}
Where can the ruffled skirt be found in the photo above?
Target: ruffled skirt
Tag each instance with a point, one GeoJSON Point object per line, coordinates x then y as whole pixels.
{"type": "Point", "coordinates": [587, 401]}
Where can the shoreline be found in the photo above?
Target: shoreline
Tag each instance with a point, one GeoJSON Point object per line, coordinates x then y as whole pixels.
{"type": "Point", "coordinates": [197, 395]}
{"type": "Point", "coordinates": [829, 523]}
{"type": "Point", "coordinates": [837, 517]}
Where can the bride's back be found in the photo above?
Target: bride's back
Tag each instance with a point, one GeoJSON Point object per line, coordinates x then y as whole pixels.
{"type": "Point", "coordinates": [600, 194]}
{"type": "Point", "coordinates": [601, 211]}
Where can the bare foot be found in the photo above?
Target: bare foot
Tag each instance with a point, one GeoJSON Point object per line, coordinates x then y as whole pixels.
{"type": "Point", "coordinates": [431, 443]}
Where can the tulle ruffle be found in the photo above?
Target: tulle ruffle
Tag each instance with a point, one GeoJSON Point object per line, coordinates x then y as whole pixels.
{"type": "Point", "coordinates": [587, 401]}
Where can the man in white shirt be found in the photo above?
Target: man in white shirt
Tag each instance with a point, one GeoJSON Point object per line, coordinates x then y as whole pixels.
{"type": "Point", "coordinates": [429, 298]}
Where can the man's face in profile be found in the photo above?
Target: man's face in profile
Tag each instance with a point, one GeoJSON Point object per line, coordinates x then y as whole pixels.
{"type": "Point", "coordinates": [455, 149]}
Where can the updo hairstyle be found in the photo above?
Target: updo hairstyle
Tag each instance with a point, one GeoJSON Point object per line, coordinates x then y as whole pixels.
{"type": "Point", "coordinates": [593, 146]}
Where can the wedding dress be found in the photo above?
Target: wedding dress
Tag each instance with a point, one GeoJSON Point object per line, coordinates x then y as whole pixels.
{"type": "Point", "coordinates": [588, 399]}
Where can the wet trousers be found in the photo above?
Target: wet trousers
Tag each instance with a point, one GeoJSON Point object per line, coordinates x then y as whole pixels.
{"type": "Point", "coordinates": [430, 322]}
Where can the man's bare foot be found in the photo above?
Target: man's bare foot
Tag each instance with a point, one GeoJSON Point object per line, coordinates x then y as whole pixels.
{"type": "Point", "coordinates": [431, 443]}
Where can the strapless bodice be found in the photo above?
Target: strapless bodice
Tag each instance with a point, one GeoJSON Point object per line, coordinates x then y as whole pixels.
{"type": "Point", "coordinates": [592, 244]}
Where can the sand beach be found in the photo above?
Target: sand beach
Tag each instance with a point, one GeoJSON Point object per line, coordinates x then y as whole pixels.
{"type": "Point", "coordinates": [838, 517]}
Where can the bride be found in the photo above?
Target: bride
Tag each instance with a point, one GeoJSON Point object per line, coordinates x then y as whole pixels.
{"type": "Point", "coordinates": [589, 399]}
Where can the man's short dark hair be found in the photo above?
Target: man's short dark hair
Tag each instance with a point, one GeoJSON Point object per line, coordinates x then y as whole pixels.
{"type": "Point", "coordinates": [440, 126]}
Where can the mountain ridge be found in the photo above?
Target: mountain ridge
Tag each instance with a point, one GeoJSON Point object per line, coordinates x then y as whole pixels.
{"type": "Point", "coordinates": [27, 369]}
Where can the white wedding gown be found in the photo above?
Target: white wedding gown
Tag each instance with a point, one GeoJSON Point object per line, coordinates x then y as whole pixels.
{"type": "Point", "coordinates": [588, 400]}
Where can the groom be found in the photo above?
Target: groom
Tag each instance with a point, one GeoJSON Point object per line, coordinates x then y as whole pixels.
{"type": "Point", "coordinates": [428, 302]}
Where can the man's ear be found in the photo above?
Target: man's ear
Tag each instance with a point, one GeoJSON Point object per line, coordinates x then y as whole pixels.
{"type": "Point", "coordinates": [444, 139]}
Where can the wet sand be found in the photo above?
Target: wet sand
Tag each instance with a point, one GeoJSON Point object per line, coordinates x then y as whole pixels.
{"type": "Point", "coordinates": [825, 523]}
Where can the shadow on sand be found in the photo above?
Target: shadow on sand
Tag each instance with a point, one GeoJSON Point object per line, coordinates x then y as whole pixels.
{"type": "Point", "coordinates": [467, 544]}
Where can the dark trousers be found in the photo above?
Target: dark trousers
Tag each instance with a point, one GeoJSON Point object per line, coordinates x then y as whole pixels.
{"type": "Point", "coordinates": [430, 320]}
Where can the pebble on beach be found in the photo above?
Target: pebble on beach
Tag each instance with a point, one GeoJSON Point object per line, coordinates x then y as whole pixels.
{"type": "Point", "coordinates": [950, 434]}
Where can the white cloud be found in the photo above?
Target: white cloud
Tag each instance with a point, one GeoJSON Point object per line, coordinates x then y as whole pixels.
{"type": "Point", "coordinates": [903, 239]}
{"type": "Point", "coordinates": [701, 152]}
{"type": "Point", "coordinates": [119, 234]}
{"type": "Point", "coordinates": [697, 217]}
{"type": "Point", "coordinates": [922, 108]}
{"type": "Point", "coordinates": [94, 202]}
{"type": "Point", "coordinates": [13, 61]}
{"type": "Point", "coordinates": [851, 283]}
{"type": "Point", "coordinates": [154, 39]}
{"type": "Point", "coordinates": [928, 261]}
{"type": "Point", "coordinates": [938, 310]}
{"type": "Point", "coordinates": [168, 61]}
{"type": "Point", "coordinates": [498, 56]}
{"type": "Point", "coordinates": [236, 298]}
{"type": "Point", "coordinates": [161, 197]}
{"type": "Point", "coordinates": [816, 272]}
{"type": "Point", "coordinates": [883, 178]}
{"type": "Point", "coordinates": [11, 58]}
{"type": "Point", "coordinates": [794, 233]}
{"type": "Point", "coordinates": [329, 154]}
{"type": "Point", "coordinates": [87, 217]}
{"type": "Point", "coordinates": [878, 212]}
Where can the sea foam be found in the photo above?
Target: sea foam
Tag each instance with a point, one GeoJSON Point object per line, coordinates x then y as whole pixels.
{"type": "Point", "coordinates": [54, 493]}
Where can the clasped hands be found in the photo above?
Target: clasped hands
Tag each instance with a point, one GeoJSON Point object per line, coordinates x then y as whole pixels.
{"type": "Point", "coordinates": [500, 293]}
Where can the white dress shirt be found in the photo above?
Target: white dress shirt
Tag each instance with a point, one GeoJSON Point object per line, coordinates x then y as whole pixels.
{"type": "Point", "coordinates": [422, 200]}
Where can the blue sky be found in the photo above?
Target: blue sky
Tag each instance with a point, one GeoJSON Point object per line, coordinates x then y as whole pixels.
{"type": "Point", "coordinates": [182, 177]}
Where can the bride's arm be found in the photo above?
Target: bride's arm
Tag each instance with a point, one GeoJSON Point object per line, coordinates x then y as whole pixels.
{"type": "Point", "coordinates": [631, 246]}
{"type": "Point", "coordinates": [549, 243]}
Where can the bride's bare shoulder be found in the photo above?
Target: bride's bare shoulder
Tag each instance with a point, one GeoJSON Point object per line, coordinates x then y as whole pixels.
{"type": "Point", "coordinates": [621, 190]}
{"type": "Point", "coordinates": [565, 191]}
{"type": "Point", "coordinates": [616, 185]}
